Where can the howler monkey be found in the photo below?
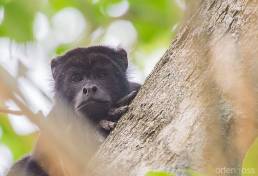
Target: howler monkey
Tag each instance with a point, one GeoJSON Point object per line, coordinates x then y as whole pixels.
{"type": "Point", "coordinates": [93, 83]}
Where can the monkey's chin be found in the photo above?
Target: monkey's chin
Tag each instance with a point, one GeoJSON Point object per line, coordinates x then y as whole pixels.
{"type": "Point", "coordinates": [94, 110]}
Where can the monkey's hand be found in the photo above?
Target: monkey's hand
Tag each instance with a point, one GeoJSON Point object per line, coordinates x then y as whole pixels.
{"type": "Point", "coordinates": [121, 107]}
{"type": "Point", "coordinates": [107, 125]}
{"type": "Point", "coordinates": [126, 100]}
{"type": "Point", "coordinates": [114, 114]}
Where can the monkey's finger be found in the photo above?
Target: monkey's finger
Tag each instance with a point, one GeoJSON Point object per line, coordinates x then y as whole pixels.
{"type": "Point", "coordinates": [115, 114]}
{"type": "Point", "coordinates": [126, 100]}
{"type": "Point", "coordinates": [107, 125]}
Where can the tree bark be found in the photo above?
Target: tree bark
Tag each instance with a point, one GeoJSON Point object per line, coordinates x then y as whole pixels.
{"type": "Point", "coordinates": [197, 108]}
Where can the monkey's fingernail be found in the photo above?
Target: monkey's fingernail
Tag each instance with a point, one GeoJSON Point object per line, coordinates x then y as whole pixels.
{"type": "Point", "coordinates": [125, 108]}
{"type": "Point", "coordinates": [112, 125]}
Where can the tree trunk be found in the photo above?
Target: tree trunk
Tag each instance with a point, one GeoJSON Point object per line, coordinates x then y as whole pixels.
{"type": "Point", "coordinates": [197, 108]}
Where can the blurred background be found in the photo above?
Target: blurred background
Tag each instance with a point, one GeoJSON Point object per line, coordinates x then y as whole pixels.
{"type": "Point", "coordinates": [32, 32]}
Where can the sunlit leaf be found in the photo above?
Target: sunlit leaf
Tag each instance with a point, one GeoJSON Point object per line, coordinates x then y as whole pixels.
{"type": "Point", "coordinates": [61, 49]}
{"type": "Point", "coordinates": [19, 145]}
{"type": "Point", "coordinates": [158, 173]}
{"type": "Point", "coordinates": [250, 162]}
{"type": "Point", "coordinates": [60, 4]}
{"type": "Point", "coordinates": [157, 18]}
{"type": "Point", "coordinates": [18, 20]}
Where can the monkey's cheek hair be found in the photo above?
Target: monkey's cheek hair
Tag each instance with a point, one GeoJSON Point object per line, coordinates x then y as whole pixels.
{"type": "Point", "coordinates": [95, 111]}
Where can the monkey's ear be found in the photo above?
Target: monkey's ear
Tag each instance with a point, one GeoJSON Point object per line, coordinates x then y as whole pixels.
{"type": "Point", "coordinates": [123, 55]}
{"type": "Point", "coordinates": [54, 64]}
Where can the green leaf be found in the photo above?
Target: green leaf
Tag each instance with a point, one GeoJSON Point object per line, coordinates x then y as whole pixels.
{"type": "Point", "coordinates": [250, 162]}
{"type": "Point", "coordinates": [60, 4]}
{"type": "Point", "coordinates": [61, 49]}
{"type": "Point", "coordinates": [19, 145]}
{"type": "Point", "coordinates": [158, 173]}
{"type": "Point", "coordinates": [18, 20]}
{"type": "Point", "coordinates": [157, 18]}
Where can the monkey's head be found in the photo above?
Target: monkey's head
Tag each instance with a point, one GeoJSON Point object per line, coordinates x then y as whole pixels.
{"type": "Point", "coordinates": [91, 80]}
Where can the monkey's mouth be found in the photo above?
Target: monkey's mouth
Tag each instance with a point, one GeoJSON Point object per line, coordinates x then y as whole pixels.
{"type": "Point", "coordinates": [91, 102]}
{"type": "Point", "coordinates": [94, 109]}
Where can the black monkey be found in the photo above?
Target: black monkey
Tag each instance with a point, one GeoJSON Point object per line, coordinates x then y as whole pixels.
{"type": "Point", "coordinates": [93, 83]}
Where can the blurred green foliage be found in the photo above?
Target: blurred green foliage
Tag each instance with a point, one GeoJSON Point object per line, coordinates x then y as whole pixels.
{"type": "Point", "coordinates": [18, 144]}
{"type": "Point", "coordinates": [152, 19]}
{"type": "Point", "coordinates": [250, 162]}
{"type": "Point", "coordinates": [18, 20]}
{"type": "Point", "coordinates": [158, 173]}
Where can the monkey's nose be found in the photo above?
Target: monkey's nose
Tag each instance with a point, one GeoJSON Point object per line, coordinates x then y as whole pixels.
{"type": "Point", "coordinates": [89, 90]}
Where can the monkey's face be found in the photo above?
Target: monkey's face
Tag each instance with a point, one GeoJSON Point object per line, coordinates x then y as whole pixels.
{"type": "Point", "coordinates": [92, 86]}
{"type": "Point", "coordinates": [90, 81]}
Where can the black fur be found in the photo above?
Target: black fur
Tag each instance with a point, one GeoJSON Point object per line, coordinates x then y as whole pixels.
{"type": "Point", "coordinates": [100, 67]}
{"type": "Point", "coordinates": [27, 167]}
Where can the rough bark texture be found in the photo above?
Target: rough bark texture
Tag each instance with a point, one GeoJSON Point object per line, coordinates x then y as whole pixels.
{"type": "Point", "coordinates": [182, 117]}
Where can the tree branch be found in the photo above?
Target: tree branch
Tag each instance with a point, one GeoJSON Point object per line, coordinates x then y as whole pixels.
{"type": "Point", "coordinates": [9, 111]}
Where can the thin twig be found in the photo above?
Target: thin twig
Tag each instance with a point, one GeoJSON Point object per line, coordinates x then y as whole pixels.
{"type": "Point", "coordinates": [9, 111]}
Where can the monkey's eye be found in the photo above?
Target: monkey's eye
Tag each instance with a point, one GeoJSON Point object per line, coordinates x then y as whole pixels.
{"type": "Point", "coordinates": [76, 77]}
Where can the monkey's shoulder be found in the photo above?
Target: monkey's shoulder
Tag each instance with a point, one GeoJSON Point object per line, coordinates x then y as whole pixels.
{"type": "Point", "coordinates": [27, 166]}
